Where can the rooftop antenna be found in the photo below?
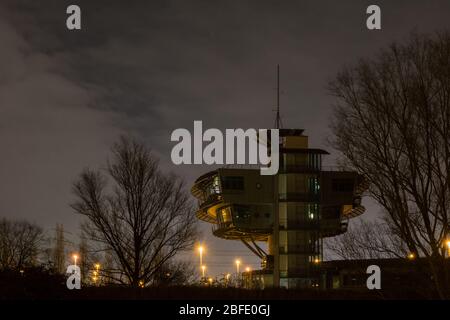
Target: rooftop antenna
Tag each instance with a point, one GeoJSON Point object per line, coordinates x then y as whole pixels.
{"type": "Point", "coordinates": [278, 123]}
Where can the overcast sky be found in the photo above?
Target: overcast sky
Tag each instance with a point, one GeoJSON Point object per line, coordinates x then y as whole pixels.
{"type": "Point", "coordinates": [148, 67]}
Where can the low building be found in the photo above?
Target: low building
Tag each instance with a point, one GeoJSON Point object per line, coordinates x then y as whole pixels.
{"type": "Point", "coordinates": [400, 277]}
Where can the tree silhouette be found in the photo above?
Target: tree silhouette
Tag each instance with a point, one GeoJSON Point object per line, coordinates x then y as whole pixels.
{"type": "Point", "coordinates": [367, 240]}
{"type": "Point", "coordinates": [392, 124]}
{"type": "Point", "coordinates": [19, 244]}
{"type": "Point", "coordinates": [144, 217]}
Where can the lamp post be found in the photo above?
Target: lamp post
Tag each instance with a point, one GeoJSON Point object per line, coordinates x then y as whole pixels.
{"type": "Point", "coordinates": [202, 267]}
{"type": "Point", "coordinates": [75, 258]}
{"type": "Point", "coordinates": [248, 277]}
{"type": "Point", "coordinates": [200, 250]}
{"type": "Point", "coordinates": [203, 271]}
{"type": "Point", "coordinates": [238, 278]}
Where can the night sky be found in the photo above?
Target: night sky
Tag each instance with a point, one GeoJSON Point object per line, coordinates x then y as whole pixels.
{"type": "Point", "coordinates": [146, 68]}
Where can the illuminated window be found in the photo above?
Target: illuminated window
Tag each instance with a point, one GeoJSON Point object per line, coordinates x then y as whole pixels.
{"type": "Point", "coordinates": [313, 185]}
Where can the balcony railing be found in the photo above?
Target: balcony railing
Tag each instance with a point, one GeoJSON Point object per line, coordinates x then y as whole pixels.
{"type": "Point", "coordinates": [220, 226]}
{"type": "Point", "coordinates": [299, 168]}
{"type": "Point", "coordinates": [212, 199]}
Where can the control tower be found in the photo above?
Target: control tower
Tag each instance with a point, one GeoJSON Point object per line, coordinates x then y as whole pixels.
{"type": "Point", "coordinates": [292, 212]}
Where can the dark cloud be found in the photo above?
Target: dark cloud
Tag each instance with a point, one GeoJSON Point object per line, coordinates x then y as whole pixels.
{"type": "Point", "coordinates": [149, 67]}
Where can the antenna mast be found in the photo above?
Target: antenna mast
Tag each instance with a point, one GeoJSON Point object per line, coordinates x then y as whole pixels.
{"type": "Point", "coordinates": [278, 123]}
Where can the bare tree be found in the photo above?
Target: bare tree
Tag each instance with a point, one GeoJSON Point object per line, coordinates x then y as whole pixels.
{"type": "Point", "coordinates": [145, 217]}
{"type": "Point", "coordinates": [392, 124]}
{"type": "Point", "coordinates": [19, 244]}
{"type": "Point", "coordinates": [107, 271]}
{"type": "Point", "coordinates": [367, 240]}
{"type": "Point", "coordinates": [176, 273]}
{"type": "Point", "coordinates": [85, 260]}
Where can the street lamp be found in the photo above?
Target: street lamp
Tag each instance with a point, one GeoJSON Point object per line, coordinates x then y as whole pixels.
{"type": "Point", "coordinates": [200, 250]}
{"type": "Point", "coordinates": [227, 279]}
{"type": "Point", "coordinates": [247, 269]}
{"type": "Point", "coordinates": [96, 272]}
{"type": "Point", "coordinates": [411, 256]}
{"type": "Point", "coordinates": [447, 243]}
{"type": "Point", "coordinates": [238, 262]}
{"type": "Point", "coordinates": [75, 258]}
{"type": "Point", "coordinates": [203, 271]}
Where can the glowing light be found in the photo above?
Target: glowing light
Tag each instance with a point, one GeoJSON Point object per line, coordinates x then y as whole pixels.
{"type": "Point", "coordinates": [203, 271]}
{"type": "Point", "coordinates": [95, 274]}
{"type": "Point", "coordinates": [411, 256]}
{"type": "Point", "coordinates": [247, 269]}
{"type": "Point", "coordinates": [200, 251]}
{"type": "Point", "coordinates": [316, 260]}
{"type": "Point", "coordinates": [238, 262]}
{"type": "Point", "coordinates": [75, 258]}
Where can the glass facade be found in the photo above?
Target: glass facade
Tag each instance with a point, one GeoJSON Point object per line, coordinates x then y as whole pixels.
{"type": "Point", "coordinates": [212, 187]}
{"type": "Point", "coordinates": [299, 186]}
{"type": "Point", "coordinates": [245, 216]}
{"type": "Point", "coordinates": [299, 215]}
{"type": "Point", "coordinates": [224, 216]}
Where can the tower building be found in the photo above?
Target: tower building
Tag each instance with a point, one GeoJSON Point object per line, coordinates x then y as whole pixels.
{"type": "Point", "coordinates": [292, 211]}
